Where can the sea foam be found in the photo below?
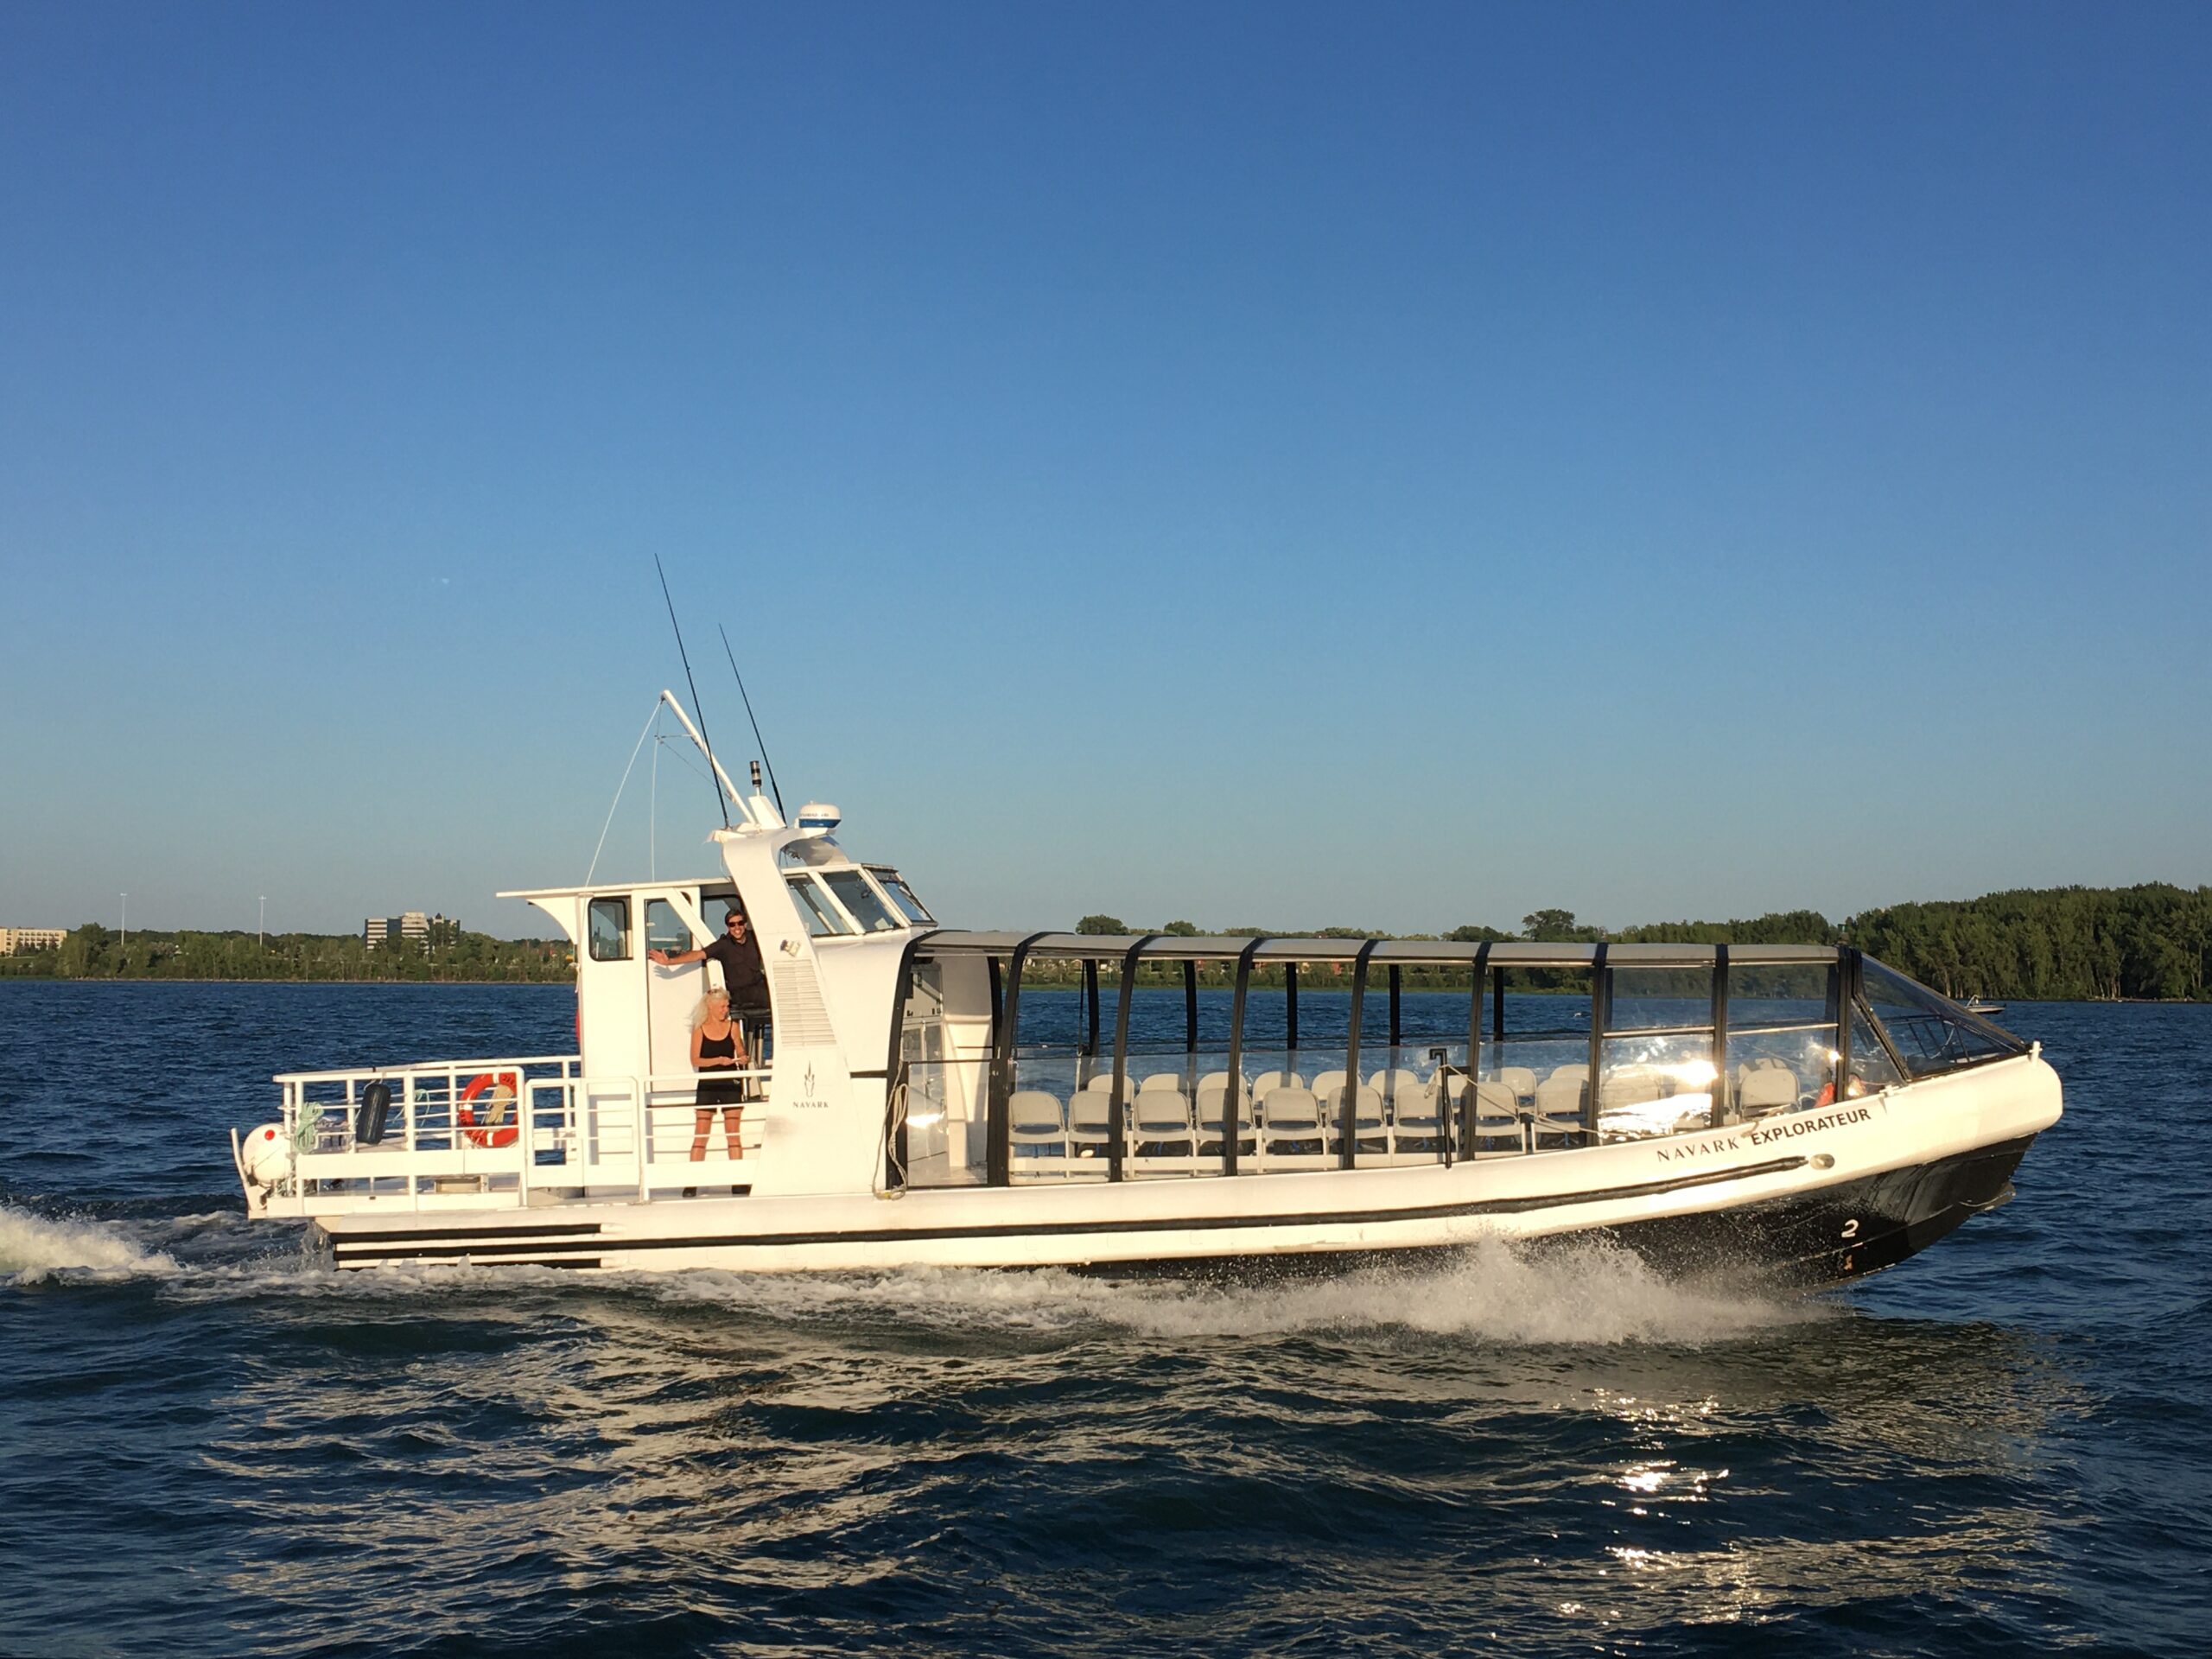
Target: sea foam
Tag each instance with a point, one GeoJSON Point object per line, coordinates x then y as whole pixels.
{"type": "Point", "coordinates": [33, 1248]}
{"type": "Point", "coordinates": [1581, 1291]}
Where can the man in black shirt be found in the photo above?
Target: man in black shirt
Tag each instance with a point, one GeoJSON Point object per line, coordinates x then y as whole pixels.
{"type": "Point", "coordinates": [743, 976]}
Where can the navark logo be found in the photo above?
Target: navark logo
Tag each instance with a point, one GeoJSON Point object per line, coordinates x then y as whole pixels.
{"type": "Point", "coordinates": [808, 1099]}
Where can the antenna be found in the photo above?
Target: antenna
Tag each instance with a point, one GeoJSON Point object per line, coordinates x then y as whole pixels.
{"type": "Point", "coordinates": [757, 738]}
{"type": "Point", "coordinates": [685, 657]}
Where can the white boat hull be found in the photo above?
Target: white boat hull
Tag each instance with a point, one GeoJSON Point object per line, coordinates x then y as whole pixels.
{"type": "Point", "coordinates": [1818, 1195]}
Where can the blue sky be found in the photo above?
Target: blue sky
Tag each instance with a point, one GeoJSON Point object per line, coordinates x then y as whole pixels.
{"type": "Point", "coordinates": [1379, 465]}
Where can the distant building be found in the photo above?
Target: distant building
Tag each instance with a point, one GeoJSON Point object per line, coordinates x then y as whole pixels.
{"type": "Point", "coordinates": [16, 940]}
{"type": "Point", "coordinates": [425, 930]}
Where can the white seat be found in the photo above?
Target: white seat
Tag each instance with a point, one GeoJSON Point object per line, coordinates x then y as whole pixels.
{"type": "Point", "coordinates": [1212, 1102]}
{"type": "Point", "coordinates": [1629, 1086]}
{"type": "Point", "coordinates": [1161, 1113]}
{"type": "Point", "coordinates": [1091, 1116]}
{"type": "Point", "coordinates": [1398, 1084]}
{"type": "Point", "coordinates": [1268, 1081]}
{"type": "Point", "coordinates": [1557, 1119]}
{"type": "Point", "coordinates": [1039, 1130]}
{"type": "Point", "coordinates": [1367, 1112]}
{"type": "Point", "coordinates": [1290, 1119]}
{"type": "Point", "coordinates": [1764, 1088]}
{"type": "Point", "coordinates": [1495, 1128]}
{"type": "Point", "coordinates": [1416, 1126]}
{"type": "Point", "coordinates": [1519, 1079]}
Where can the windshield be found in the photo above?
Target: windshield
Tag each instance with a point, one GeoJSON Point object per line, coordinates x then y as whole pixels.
{"type": "Point", "coordinates": [862, 900]}
{"type": "Point", "coordinates": [902, 895]}
{"type": "Point", "coordinates": [1930, 1033]}
{"type": "Point", "coordinates": [822, 918]}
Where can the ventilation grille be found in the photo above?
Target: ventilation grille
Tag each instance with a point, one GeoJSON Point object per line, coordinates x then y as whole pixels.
{"type": "Point", "coordinates": [801, 1019]}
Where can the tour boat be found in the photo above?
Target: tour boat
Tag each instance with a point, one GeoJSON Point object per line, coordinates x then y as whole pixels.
{"type": "Point", "coordinates": [928, 1096]}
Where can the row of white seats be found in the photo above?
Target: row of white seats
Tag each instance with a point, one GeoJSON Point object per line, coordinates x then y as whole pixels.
{"type": "Point", "coordinates": [1762, 1086]}
{"type": "Point", "coordinates": [1279, 1115]}
{"type": "Point", "coordinates": [1286, 1123]}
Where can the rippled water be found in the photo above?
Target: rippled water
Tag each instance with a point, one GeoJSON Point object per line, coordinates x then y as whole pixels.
{"type": "Point", "coordinates": [212, 1444]}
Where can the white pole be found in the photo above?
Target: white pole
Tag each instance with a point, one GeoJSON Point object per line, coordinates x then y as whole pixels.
{"type": "Point", "coordinates": [126, 918]}
{"type": "Point", "coordinates": [735, 799]}
{"type": "Point", "coordinates": [261, 926]}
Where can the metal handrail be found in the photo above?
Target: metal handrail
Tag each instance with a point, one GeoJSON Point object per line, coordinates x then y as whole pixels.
{"type": "Point", "coordinates": [426, 1099]}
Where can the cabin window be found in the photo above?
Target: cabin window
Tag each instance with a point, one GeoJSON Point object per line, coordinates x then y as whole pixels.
{"type": "Point", "coordinates": [1658, 999]}
{"type": "Point", "coordinates": [946, 1044]}
{"type": "Point", "coordinates": [610, 930]}
{"type": "Point", "coordinates": [1415, 1021]}
{"type": "Point", "coordinates": [1655, 1068]}
{"type": "Point", "coordinates": [865, 905]}
{"type": "Point", "coordinates": [665, 929]}
{"type": "Point", "coordinates": [902, 895]}
{"type": "Point", "coordinates": [1871, 1069]}
{"type": "Point", "coordinates": [1538, 1053]}
{"type": "Point", "coordinates": [1930, 1033]}
{"type": "Point", "coordinates": [1780, 1035]}
{"type": "Point", "coordinates": [822, 918]}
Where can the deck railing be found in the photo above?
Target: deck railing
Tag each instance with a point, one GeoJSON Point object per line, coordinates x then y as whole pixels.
{"type": "Point", "coordinates": [528, 1130]}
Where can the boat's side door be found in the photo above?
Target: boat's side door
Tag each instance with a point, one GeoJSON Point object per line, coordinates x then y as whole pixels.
{"type": "Point", "coordinates": [673, 924]}
{"type": "Point", "coordinates": [611, 993]}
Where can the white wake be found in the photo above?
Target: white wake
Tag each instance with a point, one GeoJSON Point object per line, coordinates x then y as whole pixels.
{"type": "Point", "coordinates": [34, 1248]}
{"type": "Point", "coordinates": [1582, 1292]}
{"type": "Point", "coordinates": [1586, 1292]}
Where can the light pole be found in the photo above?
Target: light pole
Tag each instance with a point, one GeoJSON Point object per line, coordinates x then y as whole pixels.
{"type": "Point", "coordinates": [126, 917]}
{"type": "Point", "coordinates": [261, 926]}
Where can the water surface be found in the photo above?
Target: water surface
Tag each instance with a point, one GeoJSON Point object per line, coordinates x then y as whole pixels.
{"type": "Point", "coordinates": [211, 1443]}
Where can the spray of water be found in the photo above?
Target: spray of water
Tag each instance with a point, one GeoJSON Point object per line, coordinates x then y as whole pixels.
{"type": "Point", "coordinates": [1577, 1292]}
{"type": "Point", "coordinates": [1584, 1292]}
{"type": "Point", "coordinates": [34, 1248]}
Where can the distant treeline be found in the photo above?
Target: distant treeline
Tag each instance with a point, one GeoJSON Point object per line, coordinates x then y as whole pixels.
{"type": "Point", "coordinates": [95, 952]}
{"type": "Point", "coordinates": [2060, 943]}
{"type": "Point", "coordinates": [2066, 944]}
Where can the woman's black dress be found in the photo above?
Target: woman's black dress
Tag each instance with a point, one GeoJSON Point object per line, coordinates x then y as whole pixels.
{"type": "Point", "coordinates": [719, 1090]}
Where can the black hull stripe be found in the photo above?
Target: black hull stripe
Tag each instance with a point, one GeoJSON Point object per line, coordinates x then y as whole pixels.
{"type": "Point", "coordinates": [352, 1249]}
{"type": "Point", "coordinates": [546, 1229]}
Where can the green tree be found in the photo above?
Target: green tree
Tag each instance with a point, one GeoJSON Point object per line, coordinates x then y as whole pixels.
{"type": "Point", "coordinates": [1558, 927]}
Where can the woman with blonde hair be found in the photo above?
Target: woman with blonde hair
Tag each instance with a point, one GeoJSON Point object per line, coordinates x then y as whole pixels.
{"type": "Point", "coordinates": [717, 1053]}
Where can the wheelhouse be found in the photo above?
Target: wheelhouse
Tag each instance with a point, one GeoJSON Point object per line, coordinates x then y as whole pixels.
{"type": "Point", "coordinates": [1054, 1057]}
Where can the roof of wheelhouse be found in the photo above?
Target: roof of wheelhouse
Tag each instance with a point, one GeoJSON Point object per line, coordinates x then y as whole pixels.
{"type": "Point", "coordinates": [642, 884]}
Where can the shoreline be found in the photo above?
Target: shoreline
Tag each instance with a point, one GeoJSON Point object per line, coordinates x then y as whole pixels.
{"type": "Point", "coordinates": [182, 979]}
{"type": "Point", "coordinates": [1170, 990]}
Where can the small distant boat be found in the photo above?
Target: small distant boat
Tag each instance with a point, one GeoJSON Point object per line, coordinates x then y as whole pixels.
{"type": "Point", "coordinates": [1982, 1007]}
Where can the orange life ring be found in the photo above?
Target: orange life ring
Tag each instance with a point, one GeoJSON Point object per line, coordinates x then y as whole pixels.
{"type": "Point", "coordinates": [1827, 1096]}
{"type": "Point", "coordinates": [499, 1128]}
